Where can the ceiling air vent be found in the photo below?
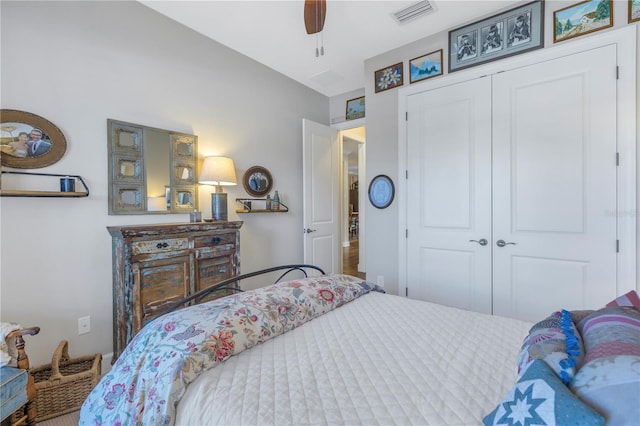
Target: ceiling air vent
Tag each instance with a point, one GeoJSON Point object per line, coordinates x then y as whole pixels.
{"type": "Point", "coordinates": [414, 11]}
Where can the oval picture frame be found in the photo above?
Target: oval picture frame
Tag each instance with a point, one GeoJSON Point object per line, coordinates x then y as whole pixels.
{"type": "Point", "coordinates": [257, 181]}
{"type": "Point", "coordinates": [14, 122]}
{"type": "Point", "coordinates": [381, 191]}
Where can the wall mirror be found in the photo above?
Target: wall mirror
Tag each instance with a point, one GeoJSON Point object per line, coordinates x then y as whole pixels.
{"type": "Point", "coordinates": [151, 170]}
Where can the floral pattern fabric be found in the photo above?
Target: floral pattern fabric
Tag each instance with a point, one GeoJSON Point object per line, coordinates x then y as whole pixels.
{"type": "Point", "coordinates": [151, 375]}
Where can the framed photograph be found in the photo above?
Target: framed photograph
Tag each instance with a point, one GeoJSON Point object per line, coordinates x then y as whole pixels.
{"type": "Point", "coordinates": [425, 66]}
{"type": "Point", "coordinates": [582, 18]}
{"type": "Point", "coordinates": [509, 33]}
{"type": "Point", "coordinates": [28, 141]}
{"type": "Point", "coordinates": [355, 108]}
{"type": "Point", "coordinates": [634, 11]}
{"type": "Point", "coordinates": [389, 77]}
{"type": "Point", "coordinates": [381, 191]}
{"type": "Point", "coordinates": [257, 181]}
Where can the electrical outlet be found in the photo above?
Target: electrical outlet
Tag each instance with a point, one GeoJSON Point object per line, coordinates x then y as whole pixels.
{"type": "Point", "coordinates": [380, 280]}
{"type": "Point", "coordinates": [84, 325]}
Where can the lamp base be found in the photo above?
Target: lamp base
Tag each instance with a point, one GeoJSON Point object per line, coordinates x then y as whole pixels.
{"type": "Point", "coordinates": [219, 206]}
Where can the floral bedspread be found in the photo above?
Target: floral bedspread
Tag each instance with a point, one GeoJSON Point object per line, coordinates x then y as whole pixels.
{"type": "Point", "coordinates": [151, 375]}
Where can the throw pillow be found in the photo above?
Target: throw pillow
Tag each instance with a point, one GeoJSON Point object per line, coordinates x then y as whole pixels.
{"type": "Point", "coordinates": [629, 299]}
{"type": "Point", "coordinates": [556, 341]}
{"type": "Point", "coordinates": [539, 397]}
{"type": "Point", "coordinates": [609, 380]}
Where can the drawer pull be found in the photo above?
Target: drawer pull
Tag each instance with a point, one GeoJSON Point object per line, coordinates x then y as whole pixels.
{"type": "Point", "coordinates": [216, 240]}
{"type": "Point", "coordinates": [222, 271]}
{"type": "Point", "coordinates": [162, 245]}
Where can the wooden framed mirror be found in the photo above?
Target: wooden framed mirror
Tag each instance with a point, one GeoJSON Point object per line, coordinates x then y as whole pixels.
{"type": "Point", "coordinates": [151, 170]}
{"type": "Point", "coordinates": [29, 141]}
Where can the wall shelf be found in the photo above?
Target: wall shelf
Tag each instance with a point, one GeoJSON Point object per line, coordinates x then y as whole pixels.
{"type": "Point", "coordinates": [50, 194]}
{"type": "Point", "coordinates": [247, 206]}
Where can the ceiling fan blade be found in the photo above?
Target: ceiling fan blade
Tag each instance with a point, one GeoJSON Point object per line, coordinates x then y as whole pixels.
{"type": "Point", "coordinates": [314, 14]}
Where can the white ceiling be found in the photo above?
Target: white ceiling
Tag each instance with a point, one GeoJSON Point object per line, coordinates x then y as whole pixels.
{"type": "Point", "coordinates": [273, 32]}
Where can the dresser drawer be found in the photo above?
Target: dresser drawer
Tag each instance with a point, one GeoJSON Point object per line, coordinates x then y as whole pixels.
{"type": "Point", "coordinates": [210, 271]}
{"type": "Point", "coordinates": [214, 240]}
{"type": "Point", "coordinates": [159, 246]}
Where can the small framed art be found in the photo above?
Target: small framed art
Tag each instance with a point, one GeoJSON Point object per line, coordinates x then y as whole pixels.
{"type": "Point", "coordinates": [509, 33]}
{"type": "Point", "coordinates": [425, 66]}
{"type": "Point", "coordinates": [634, 11]}
{"type": "Point", "coordinates": [389, 77]}
{"type": "Point", "coordinates": [582, 18]}
{"type": "Point", "coordinates": [381, 191]}
{"type": "Point", "coordinates": [257, 181]}
{"type": "Point", "coordinates": [355, 108]}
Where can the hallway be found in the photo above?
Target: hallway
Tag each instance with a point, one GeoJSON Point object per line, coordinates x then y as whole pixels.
{"type": "Point", "coordinates": [350, 260]}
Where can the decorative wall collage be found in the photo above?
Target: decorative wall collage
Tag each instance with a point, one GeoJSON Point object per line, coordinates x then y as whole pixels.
{"type": "Point", "coordinates": [506, 34]}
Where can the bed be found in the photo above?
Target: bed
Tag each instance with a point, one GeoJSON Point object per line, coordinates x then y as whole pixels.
{"type": "Point", "coordinates": [321, 350]}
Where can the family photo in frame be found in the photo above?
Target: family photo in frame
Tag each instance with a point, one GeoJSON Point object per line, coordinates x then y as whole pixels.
{"type": "Point", "coordinates": [509, 33]}
{"type": "Point", "coordinates": [29, 141]}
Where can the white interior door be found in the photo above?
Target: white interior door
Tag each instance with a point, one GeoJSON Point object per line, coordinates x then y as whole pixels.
{"type": "Point", "coordinates": [449, 195]}
{"type": "Point", "coordinates": [554, 185]}
{"type": "Point", "coordinates": [321, 194]}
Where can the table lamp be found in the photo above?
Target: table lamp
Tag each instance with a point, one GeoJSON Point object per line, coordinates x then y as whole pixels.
{"type": "Point", "coordinates": [218, 171]}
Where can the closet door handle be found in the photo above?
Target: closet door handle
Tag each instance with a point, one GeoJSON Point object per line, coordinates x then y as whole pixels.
{"type": "Point", "coordinates": [309, 230]}
{"type": "Point", "coordinates": [502, 243]}
{"type": "Point", "coordinates": [482, 242]}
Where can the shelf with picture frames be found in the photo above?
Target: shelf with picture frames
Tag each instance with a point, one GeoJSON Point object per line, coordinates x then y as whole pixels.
{"type": "Point", "coordinates": [38, 193]}
{"type": "Point", "coordinates": [247, 206]}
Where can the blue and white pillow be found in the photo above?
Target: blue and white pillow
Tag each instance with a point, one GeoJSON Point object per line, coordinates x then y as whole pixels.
{"type": "Point", "coordinates": [540, 397]}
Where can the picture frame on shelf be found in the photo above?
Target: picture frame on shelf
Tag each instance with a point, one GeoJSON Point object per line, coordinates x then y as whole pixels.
{"type": "Point", "coordinates": [257, 181]}
{"type": "Point", "coordinates": [634, 11]}
{"type": "Point", "coordinates": [388, 77]}
{"type": "Point", "coordinates": [582, 18]}
{"type": "Point", "coordinates": [509, 33]}
{"type": "Point", "coordinates": [355, 108]}
{"type": "Point", "coordinates": [28, 141]}
{"type": "Point", "coordinates": [425, 66]}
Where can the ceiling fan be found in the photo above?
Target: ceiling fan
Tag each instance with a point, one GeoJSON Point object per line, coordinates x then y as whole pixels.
{"type": "Point", "coordinates": [315, 12]}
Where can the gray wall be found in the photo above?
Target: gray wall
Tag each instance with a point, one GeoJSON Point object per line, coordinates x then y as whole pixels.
{"type": "Point", "coordinates": [382, 228]}
{"type": "Point", "coordinates": [79, 63]}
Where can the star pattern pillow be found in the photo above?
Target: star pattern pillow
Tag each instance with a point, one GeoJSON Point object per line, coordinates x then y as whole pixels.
{"type": "Point", "coordinates": [541, 398]}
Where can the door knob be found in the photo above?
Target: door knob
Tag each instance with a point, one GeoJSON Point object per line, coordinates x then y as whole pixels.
{"type": "Point", "coordinates": [309, 230]}
{"type": "Point", "coordinates": [502, 243]}
{"type": "Point", "coordinates": [482, 242]}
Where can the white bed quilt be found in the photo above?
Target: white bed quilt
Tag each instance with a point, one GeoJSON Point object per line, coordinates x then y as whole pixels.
{"type": "Point", "coordinates": [380, 359]}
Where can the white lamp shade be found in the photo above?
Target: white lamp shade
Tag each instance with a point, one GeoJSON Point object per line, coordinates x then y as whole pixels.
{"type": "Point", "coordinates": [218, 171]}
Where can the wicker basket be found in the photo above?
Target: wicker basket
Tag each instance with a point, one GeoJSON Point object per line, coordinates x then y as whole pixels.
{"type": "Point", "coordinates": [63, 385]}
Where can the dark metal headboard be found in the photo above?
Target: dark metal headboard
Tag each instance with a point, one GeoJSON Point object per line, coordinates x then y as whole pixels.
{"type": "Point", "coordinates": [227, 284]}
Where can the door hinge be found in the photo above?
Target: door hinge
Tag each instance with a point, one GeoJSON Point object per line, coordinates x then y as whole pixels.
{"type": "Point", "coordinates": [406, 291]}
{"type": "Point", "coordinates": [617, 158]}
{"type": "Point", "coordinates": [406, 174]}
{"type": "Point", "coordinates": [406, 116]}
{"type": "Point", "coordinates": [617, 246]}
{"type": "Point", "coordinates": [406, 233]}
{"type": "Point", "coordinates": [617, 72]}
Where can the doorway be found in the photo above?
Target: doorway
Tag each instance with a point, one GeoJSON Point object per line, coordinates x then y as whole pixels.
{"type": "Point", "coordinates": [353, 149]}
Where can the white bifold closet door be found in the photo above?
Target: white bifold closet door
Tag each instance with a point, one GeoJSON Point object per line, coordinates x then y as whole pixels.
{"type": "Point", "coordinates": [524, 160]}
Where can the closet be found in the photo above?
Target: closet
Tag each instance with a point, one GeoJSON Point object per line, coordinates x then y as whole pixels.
{"type": "Point", "coordinates": [511, 188]}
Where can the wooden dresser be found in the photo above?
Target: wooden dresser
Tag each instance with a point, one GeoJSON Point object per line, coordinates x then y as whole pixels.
{"type": "Point", "coordinates": [157, 265]}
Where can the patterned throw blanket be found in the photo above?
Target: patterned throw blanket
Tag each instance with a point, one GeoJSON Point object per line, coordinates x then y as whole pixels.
{"type": "Point", "coordinates": [150, 377]}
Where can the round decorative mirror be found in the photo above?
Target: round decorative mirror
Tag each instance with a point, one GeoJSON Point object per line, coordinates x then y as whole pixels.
{"type": "Point", "coordinates": [28, 141]}
{"type": "Point", "coordinates": [257, 181]}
